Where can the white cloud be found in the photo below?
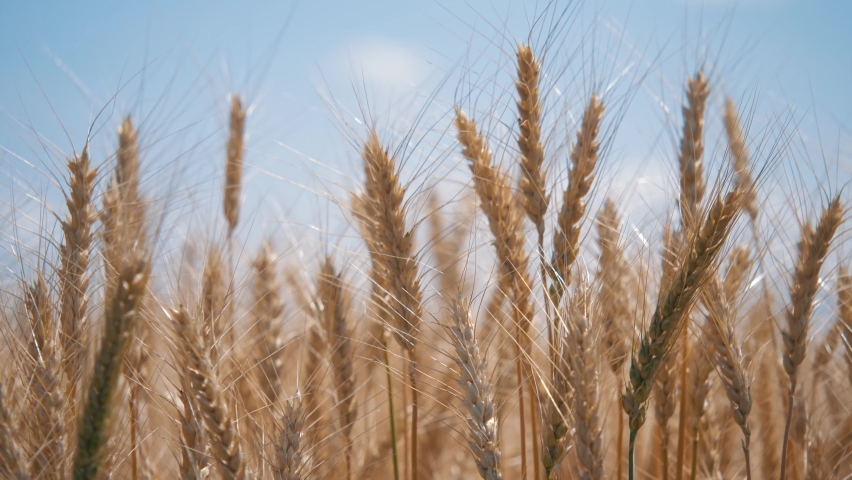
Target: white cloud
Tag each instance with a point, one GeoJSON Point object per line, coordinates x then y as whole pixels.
{"type": "Point", "coordinates": [380, 63]}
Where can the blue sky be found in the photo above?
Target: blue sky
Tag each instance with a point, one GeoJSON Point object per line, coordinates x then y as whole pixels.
{"type": "Point", "coordinates": [305, 66]}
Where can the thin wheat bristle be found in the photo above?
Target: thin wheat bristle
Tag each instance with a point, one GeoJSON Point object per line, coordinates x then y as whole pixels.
{"type": "Point", "coordinates": [234, 163]}
{"type": "Point", "coordinates": [533, 176]}
{"type": "Point", "coordinates": [692, 184]}
{"type": "Point", "coordinates": [476, 394]}
{"type": "Point", "coordinates": [207, 391]}
{"type": "Point", "coordinates": [584, 157]}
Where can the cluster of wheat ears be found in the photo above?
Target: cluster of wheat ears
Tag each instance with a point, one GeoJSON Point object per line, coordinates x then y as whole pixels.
{"type": "Point", "coordinates": [291, 372]}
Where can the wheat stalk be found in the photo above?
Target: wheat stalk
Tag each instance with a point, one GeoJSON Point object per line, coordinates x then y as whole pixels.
{"type": "Point", "coordinates": [813, 248]}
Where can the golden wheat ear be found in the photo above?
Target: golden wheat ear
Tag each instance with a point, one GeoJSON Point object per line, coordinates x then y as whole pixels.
{"type": "Point", "coordinates": [121, 317]}
{"type": "Point", "coordinates": [234, 163]}
{"type": "Point", "coordinates": [813, 249]}
{"type": "Point", "coordinates": [208, 394]}
{"type": "Point", "coordinates": [13, 461]}
{"type": "Point", "coordinates": [477, 396]}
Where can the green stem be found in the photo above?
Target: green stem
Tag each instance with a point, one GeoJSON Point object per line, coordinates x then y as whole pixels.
{"type": "Point", "coordinates": [631, 454]}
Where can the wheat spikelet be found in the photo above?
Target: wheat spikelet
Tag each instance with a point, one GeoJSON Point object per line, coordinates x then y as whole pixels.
{"type": "Point", "coordinates": [288, 464]}
{"type": "Point", "coordinates": [739, 156]}
{"type": "Point", "coordinates": [122, 312]}
{"type": "Point", "coordinates": [533, 176]}
{"type": "Point", "coordinates": [74, 253]}
{"type": "Point", "coordinates": [813, 248]}
{"type": "Point", "coordinates": [476, 394]}
{"type": "Point", "coordinates": [127, 167]}
{"type": "Point", "coordinates": [234, 163]}
{"type": "Point", "coordinates": [566, 237]}
{"type": "Point", "coordinates": [266, 314]}
{"type": "Point", "coordinates": [331, 301]}
{"type": "Point", "coordinates": [692, 149]}
{"type": "Point", "coordinates": [207, 392]}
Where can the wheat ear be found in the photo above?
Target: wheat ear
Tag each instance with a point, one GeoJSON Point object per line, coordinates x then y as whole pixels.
{"type": "Point", "coordinates": [813, 249]}
{"type": "Point", "coordinates": [729, 360]}
{"type": "Point", "coordinates": [13, 462]}
{"type": "Point", "coordinates": [692, 188]}
{"type": "Point", "coordinates": [692, 184]}
{"type": "Point", "coordinates": [394, 255]}
{"type": "Point", "coordinates": [74, 253]}
{"type": "Point", "coordinates": [121, 317]}
{"type": "Point", "coordinates": [477, 396]}
{"type": "Point", "coordinates": [533, 176]}
{"type": "Point", "coordinates": [583, 360]}
{"type": "Point", "coordinates": [844, 314]}
{"type": "Point", "coordinates": [673, 305]}
{"type": "Point", "coordinates": [506, 224]}
{"type": "Point", "coordinates": [739, 156]}
{"type": "Point", "coordinates": [331, 299]}
{"type": "Point", "coordinates": [47, 399]}
{"type": "Point", "coordinates": [702, 383]}
{"type": "Point", "coordinates": [193, 442]}
{"type": "Point", "coordinates": [288, 464]}
{"type": "Point", "coordinates": [566, 237]}
{"type": "Point", "coordinates": [266, 314]}
{"type": "Point", "coordinates": [234, 163]}
{"type": "Point", "coordinates": [209, 396]}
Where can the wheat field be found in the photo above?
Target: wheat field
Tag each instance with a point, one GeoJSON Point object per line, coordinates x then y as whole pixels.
{"type": "Point", "coordinates": [481, 301]}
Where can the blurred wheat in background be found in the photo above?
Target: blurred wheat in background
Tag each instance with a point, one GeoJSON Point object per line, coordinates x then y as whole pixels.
{"type": "Point", "coordinates": [482, 299]}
